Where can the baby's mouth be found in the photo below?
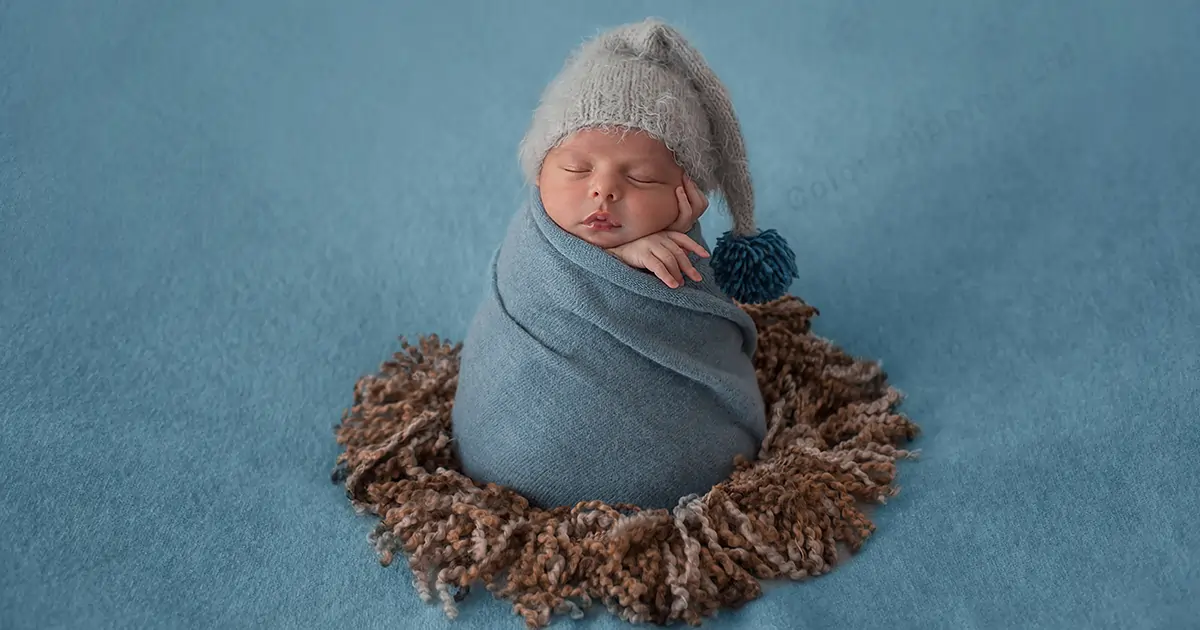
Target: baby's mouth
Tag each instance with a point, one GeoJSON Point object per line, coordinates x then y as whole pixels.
{"type": "Point", "coordinates": [600, 220]}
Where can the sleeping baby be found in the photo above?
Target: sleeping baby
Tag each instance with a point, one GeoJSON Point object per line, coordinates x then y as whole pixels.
{"type": "Point", "coordinates": [609, 358]}
{"type": "Point", "coordinates": [621, 190]}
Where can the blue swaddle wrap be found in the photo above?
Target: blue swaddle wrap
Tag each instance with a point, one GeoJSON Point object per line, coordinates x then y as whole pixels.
{"type": "Point", "coordinates": [584, 379]}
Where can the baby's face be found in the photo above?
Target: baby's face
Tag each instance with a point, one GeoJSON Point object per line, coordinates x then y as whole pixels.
{"type": "Point", "coordinates": [631, 179]}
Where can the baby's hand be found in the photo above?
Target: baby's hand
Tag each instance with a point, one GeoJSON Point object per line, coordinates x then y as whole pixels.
{"type": "Point", "coordinates": [692, 204]}
{"type": "Point", "coordinates": [662, 253]}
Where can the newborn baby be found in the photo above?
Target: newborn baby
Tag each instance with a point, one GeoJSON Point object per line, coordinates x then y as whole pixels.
{"type": "Point", "coordinates": [624, 192]}
{"type": "Point", "coordinates": [609, 359]}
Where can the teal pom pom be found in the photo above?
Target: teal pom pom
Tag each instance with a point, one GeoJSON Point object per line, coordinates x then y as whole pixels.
{"type": "Point", "coordinates": [754, 269]}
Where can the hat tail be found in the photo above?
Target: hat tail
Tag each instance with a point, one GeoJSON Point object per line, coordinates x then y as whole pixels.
{"type": "Point", "coordinates": [750, 266]}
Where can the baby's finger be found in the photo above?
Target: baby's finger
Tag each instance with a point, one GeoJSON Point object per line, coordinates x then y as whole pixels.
{"type": "Point", "coordinates": [660, 270]}
{"type": "Point", "coordinates": [696, 198]}
{"type": "Point", "coordinates": [684, 220]}
{"type": "Point", "coordinates": [686, 242]}
{"type": "Point", "coordinates": [663, 253]}
{"type": "Point", "coordinates": [685, 265]}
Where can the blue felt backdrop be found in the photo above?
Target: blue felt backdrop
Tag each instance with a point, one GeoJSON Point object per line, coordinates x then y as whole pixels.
{"type": "Point", "coordinates": [215, 216]}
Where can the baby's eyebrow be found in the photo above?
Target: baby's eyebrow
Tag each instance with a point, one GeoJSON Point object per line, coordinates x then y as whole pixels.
{"type": "Point", "coordinates": [645, 161]}
{"type": "Point", "coordinates": [576, 154]}
{"type": "Point", "coordinates": [632, 162]}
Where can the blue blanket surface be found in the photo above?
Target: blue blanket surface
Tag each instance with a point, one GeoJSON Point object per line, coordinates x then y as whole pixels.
{"type": "Point", "coordinates": [585, 379]}
{"type": "Point", "coordinates": [216, 216]}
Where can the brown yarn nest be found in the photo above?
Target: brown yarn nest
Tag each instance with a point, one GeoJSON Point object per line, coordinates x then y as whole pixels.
{"type": "Point", "coordinates": [833, 441]}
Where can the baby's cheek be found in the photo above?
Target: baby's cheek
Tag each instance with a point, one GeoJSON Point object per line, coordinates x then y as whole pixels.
{"type": "Point", "coordinates": [664, 210]}
{"type": "Point", "coordinates": [562, 208]}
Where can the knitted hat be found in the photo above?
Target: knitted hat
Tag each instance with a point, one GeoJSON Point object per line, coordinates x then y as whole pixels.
{"type": "Point", "coordinates": [647, 76]}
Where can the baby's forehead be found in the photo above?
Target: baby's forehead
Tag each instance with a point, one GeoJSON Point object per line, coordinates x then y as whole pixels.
{"type": "Point", "coordinates": [628, 147]}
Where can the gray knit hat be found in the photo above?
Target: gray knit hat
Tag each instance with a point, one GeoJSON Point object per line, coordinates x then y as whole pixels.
{"type": "Point", "coordinates": [647, 76]}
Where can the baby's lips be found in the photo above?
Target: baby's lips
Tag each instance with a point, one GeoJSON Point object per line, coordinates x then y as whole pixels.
{"type": "Point", "coordinates": [602, 216]}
